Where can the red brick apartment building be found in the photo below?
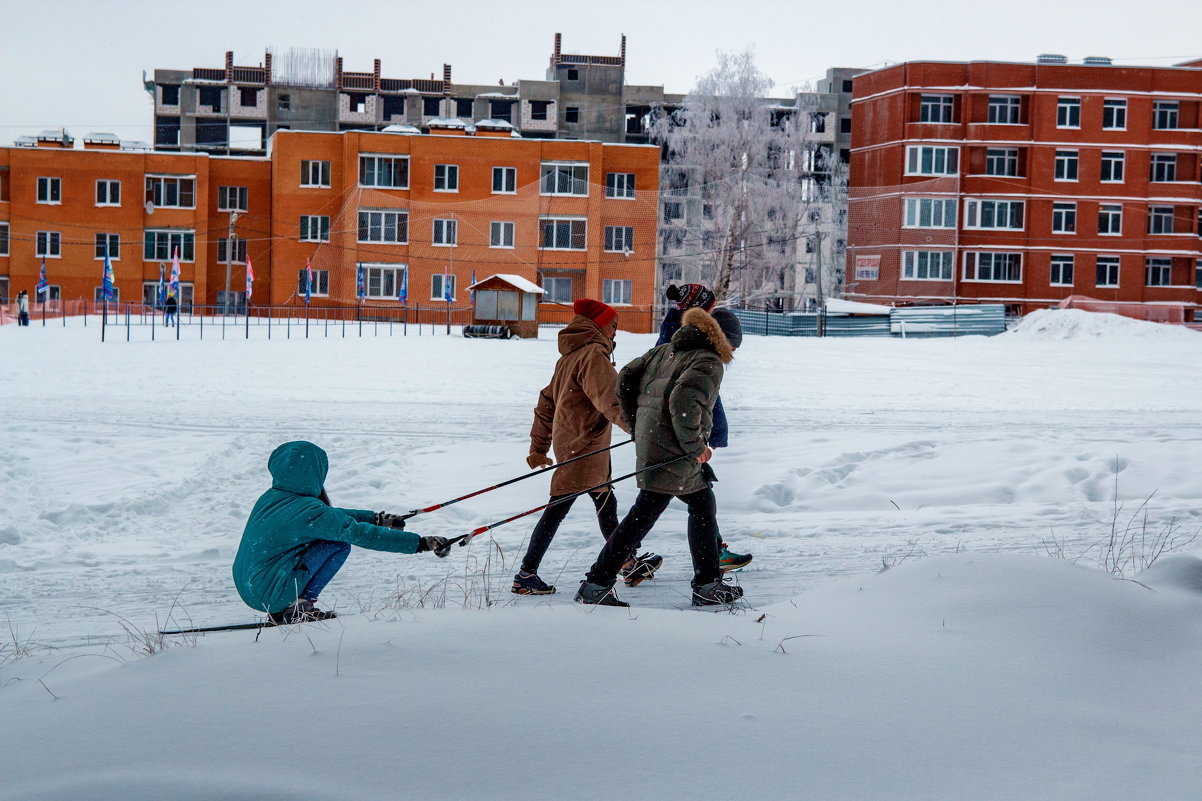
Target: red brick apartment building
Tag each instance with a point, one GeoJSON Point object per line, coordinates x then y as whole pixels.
{"type": "Point", "coordinates": [577, 217]}
{"type": "Point", "coordinates": [1028, 184]}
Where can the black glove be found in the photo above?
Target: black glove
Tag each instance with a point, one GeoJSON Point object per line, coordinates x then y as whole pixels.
{"type": "Point", "coordinates": [440, 545]}
{"type": "Point", "coordinates": [389, 521]}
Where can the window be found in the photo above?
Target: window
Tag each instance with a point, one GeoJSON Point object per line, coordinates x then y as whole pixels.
{"type": "Point", "coordinates": [927, 212]}
{"type": "Point", "coordinates": [1005, 109]}
{"type": "Point", "coordinates": [159, 245]}
{"type": "Point", "coordinates": [504, 180]}
{"type": "Point", "coordinates": [384, 226]}
{"type": "Point", "coordinates": [923, 160]}
{"type": "Point", "coordinates": [501, 110]}
{"type": "Point", "coordinates": [110, 241]}
{"type": "Point", "coordinates": [49, 244]}
{"type": "Point", "coordinates": [927, 265]}
{"type": "Point", "coordinates": [845, 125]}
{"type": "Point", "coordinates": [561, 233]}
{"type": "Point", "coordinates": [1112, 166]}
{"type": "Point", "coordinates": [239, 251]}
{"type": "Point", "coordinates": [1110, 219]}
{"type": "Point", "coordinates": [1160, 219]}
{"type": "Point", "coordinates": [1068, 112]}
{"type": "Point", "coordinates": [1159, 272]}
{"type": "Point", "coordinates": [108, 193]}
{"type": "Point", "coordinates": [1001, 161]}
{"type": "Point", "coordinates": [1061, 271]}
{"type": "Point", "coordinates": [619, 238]}
{"type": "Point", "coordinates": [538, 110]}
{"type": "Point", "coordinates": [387, 172]}
{"type": "Point", "coordinates": [383, 282]}
{"type": "Point", "coordinates": [994, 267]}
{"type": "Point", "coordinates": [3, 239]}
{"type": "Point", "coordinates": [50, 190]}
{"type": "Point", "coordinates": [571, 114]}
{"type": "Point", "coordinates": [564, 179]}
{"type": "Point", "coordinates": [1066, 165]}
{"type": "Point", "coordinates": [1064, 218]}
{"type": "Point", "coordinates": [320, 287]}
{"type": "Point", "coordinates": [1114, 114]}
{"type": "Point", "coordinates": [446, 232]}
{"type": "Point", "coordinates": [619, 184]}
{"type": "Point", "coordinates": [4, 290]}
{"type": "Point", "coordinates": [573, 74]}
{"type": "Point", "coordinates": [1164, 167]}
{"type": "Point", "coordinates": [1164, 118]}
{"type": "Point", "coordinates": [673, 211]}
{"type": "Point", "coordinates": [846, 85]}
{"type": "Point", "coordinates": [231, 198]}
{"type": "Point", "coordinates": [170, 94]}
{"type": "Point", "coordinates": [314, 228]}
{"type": "Point", "coordinates": [315, 173]}
{"type": "Point", "coordinates": [1108, 271]}
{"type": "Point", "coordinates": [98, 294]}
{"type": "Point", "coordinates": [248, 96]}
{"type": "Point", "coordinates": [442, 286]}
{"type": "Point", "coordinates": [993, 214]}
{"type": "Point", "coordinates": [283, 102]}
{"type": "Point", "coordinates": [446, 178]}
{"type": "Point", "coordinates": [559, 290]}
{"type": "Point", "coordinates": [500, 235]}
{"type": "Point", "coordinates": [817, 122]}
{"type": "Point", "coordinates": [171, 191]}
{"type": "Point", "coordinates": [935, 108]}
{"type": "Point", "coordinates": [615, 293]}
{"type": "Point", "coordinates": [209, 96]}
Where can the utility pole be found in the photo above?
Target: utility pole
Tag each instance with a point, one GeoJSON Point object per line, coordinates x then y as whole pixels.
{"type": "Point", "coordinates": [821, 319]}
{"type": "Point", "coordinates": [231, 246]}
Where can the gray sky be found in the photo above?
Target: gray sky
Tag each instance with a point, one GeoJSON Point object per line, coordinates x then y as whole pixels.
{"type": "Point", "coordinates": [79, 63]}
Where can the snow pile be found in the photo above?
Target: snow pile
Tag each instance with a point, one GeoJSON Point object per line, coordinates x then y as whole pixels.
{"type": "Point", "coordinates": [1080, 324]}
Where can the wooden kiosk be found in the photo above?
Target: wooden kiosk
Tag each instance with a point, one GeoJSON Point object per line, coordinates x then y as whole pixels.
{"type": "Point", "coordinates": [506, 306]}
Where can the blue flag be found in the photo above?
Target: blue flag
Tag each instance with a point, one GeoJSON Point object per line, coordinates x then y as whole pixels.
{"type": "Point", "coordinates": [162, 284]}
{"type": "Point", "coordinates": [308, 281]}
{"type": "Point", "coordinates": [447, 295]}
{"type": "Point", "coordinates": [43, 285]}
{"type": "Point", "coordinates": [360, 289]}
{"type": "Point", "coordinates": [472, 294]}
{"type": "Point", "coordinates": [110, 291]}
{"type": "Point", "coordinates": [402, 294]}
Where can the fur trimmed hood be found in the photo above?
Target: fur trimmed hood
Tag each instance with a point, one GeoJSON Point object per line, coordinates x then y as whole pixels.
{"type": "Point", "coordinates": [707, 327]}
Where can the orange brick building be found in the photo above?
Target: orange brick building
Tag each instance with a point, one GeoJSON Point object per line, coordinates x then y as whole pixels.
{"type": "Point", "coordinates": [425, 211]}
{"type": "Point", "coordinates": [1028, 185]}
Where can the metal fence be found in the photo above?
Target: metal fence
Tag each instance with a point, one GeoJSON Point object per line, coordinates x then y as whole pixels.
{"type": "Point", "coordinates": [915, 321]}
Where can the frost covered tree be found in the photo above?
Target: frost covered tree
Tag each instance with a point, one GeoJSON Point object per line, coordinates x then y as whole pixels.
{"type": "Point", "coordinates": [743, 182]}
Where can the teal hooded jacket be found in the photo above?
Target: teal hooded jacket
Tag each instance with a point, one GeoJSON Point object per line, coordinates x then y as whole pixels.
{"type": "Point", "coordinates": [288, 518]}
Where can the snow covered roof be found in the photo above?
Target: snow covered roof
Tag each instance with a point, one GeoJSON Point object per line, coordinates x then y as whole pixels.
{"type": "Point", "coordinates": [505, 95]}
{"type": "Point", "coordinates": [102, 137]}
{"type": "Point", "coordinates": [500, 124]}
{"type": "Point", "coordinates": [401, 128]}
{"type": "Point", "coordinates": [517, 280]}
{"type": "Point", "coordinates": [446, 122]}
{"type": "Point", "coordinates": [837, 306]}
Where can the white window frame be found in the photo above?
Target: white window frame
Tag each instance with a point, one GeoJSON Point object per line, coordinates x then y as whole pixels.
{"type": "Point", "coordinates": [382, 281]}
{"type": "Point", "coordinates": [939, 109]}
{"type": "Point", "coordinates": [619, 239]}
{"type": "Point", "coordinates": [1005, 110]}
{"type": "Point", "coordinates": [185, 239]}
{"type": "Point", "coordinates": [973, 262]}
{"type": "Point", "coordinates": [617, 291]}
{"type": "Point", "coordinates": [111, 187]}
{"type": "Point", "coordinates": [501, 234]}
{"type": "Point", "coordinates": [1057, 269]}
{"type": "Point", "coordinates": [374, 170]}
{"type": "Point", "coordinates": [320, 278]}
{"type": "Point", "coordinates": [436, 289]}
{"type": "Point", "coordinates": [1112, 263]}
{"type": "Point", "coordinates": [929, 212]}
{"type": "Point", "coordinates": [1064, 218]}
{"type": "Point", "coordinates": [1170, 110]}
{"type": "Point", "coordinates": [577, 230]}
{"type": "Point", "coordinates": [1116, 107]}
{"type": "Point", "coordinates": [239, 194]}
{"type": "Point", "coordinates": [561, 172]}
{"type": "Point", "coordinates": [50, 191]}
{"type": "Point", "coordinates": [1162, 266]}
{"type": "Point", "coordinates": [446, 177]}
{"type": "Point", "coordinates": [114, 247]}
{"type": "Point", "coordinates": [619, 185]}
{"type": "Point", "coordinates": [445, 233]}
{"type": "Point", "coordinates": [1160, 214]}
{"type": "Point", "coordinates": [1110, 212]}
{"type": "Point", "coordinates": [506, 178]}
{"type": "Point", "coordinates": [158, 190]}
{"type": "Point", "coordinates": [1004, 157]}
{"type": "Point", "coordinates": [1068, 112]}
{"type": "Point", "coordinates": [400, 224]}
{"type": "Point", "coordinates": [940, 160]}
{"type": "Point", "coordinates": [1011, 213]}
{"type": "Point", "coordinates": [1164, 164]}
{"type": "Point", "coordinates": [1067, 166]}
{"type": "Point", "coordinates": [314, 228]}
{"type": "Point", "coordinates": [315, 174]}
{"type": "Point", "coordinates": [927, 265]}
{"type": "Point", "coordinates": [48, 244]}
{"type": "Point", "coordinates": [1113, 159]}
{"type": "Point", "coordinates": [223, 244]}
{"type": "Point", "coordinates": [553, 286]}
{"type": "Point", "coordinates": [98, 294]}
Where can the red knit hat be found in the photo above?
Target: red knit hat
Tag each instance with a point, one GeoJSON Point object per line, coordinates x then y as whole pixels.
{"type": "Point", "coordinates": [600, 313]}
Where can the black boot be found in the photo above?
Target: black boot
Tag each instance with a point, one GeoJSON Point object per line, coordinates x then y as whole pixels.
{"type": "Point", "coordinates": [597, 595]}
{"type": "Point", "coordinates": [715, 593]}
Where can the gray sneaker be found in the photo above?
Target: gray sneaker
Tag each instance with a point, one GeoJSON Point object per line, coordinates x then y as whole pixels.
{"type": "Point", "coordinates": [597, 595]}
{"type": "Point", "coordinates": [715, 593]}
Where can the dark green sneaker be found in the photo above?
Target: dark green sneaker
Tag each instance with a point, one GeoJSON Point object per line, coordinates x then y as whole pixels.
{"type": "Point", "coordinates": [728, 560]}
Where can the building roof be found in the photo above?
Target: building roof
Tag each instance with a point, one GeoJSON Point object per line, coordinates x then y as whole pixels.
{"type": "Point", "coordinates": [516, 280]}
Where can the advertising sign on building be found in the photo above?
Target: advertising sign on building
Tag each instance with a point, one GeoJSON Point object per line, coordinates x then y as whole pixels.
{"type": "Point", "coordinates": [868, 268]}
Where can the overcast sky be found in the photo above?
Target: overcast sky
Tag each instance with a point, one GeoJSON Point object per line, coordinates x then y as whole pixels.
{"type": "Point", "coordinates": [79, 63]}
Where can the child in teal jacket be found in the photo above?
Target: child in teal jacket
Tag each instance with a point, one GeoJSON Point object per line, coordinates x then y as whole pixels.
{"type": "Point", "coordinates": [294, 541]}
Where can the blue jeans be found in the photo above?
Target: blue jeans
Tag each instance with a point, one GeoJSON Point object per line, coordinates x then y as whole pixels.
{"type": "Point", "coordinates": [323, 559]}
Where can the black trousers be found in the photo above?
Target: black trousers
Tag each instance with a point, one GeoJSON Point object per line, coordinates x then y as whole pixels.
{"type": "Point", "coordinates": [648, 506]}
{"type": "Point", "coordinates": [548, 524]}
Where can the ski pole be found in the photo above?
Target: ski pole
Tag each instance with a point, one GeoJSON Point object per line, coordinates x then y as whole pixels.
{"type": "Point", "coordinates": [539, 472]}
{"type": "Point", "coordinates": [463, 538]}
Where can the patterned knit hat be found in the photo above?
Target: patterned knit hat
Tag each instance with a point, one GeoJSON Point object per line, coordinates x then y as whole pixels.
{"type": "Point", "coordinates": [689, 295]}
{"type": "Point", "coordinates": [600, 313]}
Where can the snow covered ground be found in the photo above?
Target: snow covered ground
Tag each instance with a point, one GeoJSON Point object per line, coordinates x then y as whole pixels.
{"type": "Point", "coordinates": [976, 667]}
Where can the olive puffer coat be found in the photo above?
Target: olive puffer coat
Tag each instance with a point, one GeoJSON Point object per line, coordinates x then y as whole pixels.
{"type": "Point", "coordinates": [575, 410]}
{"type": "Point", "coordinates": [669, 393]}
{"type": "Point", "coordinates": [288, 518]}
